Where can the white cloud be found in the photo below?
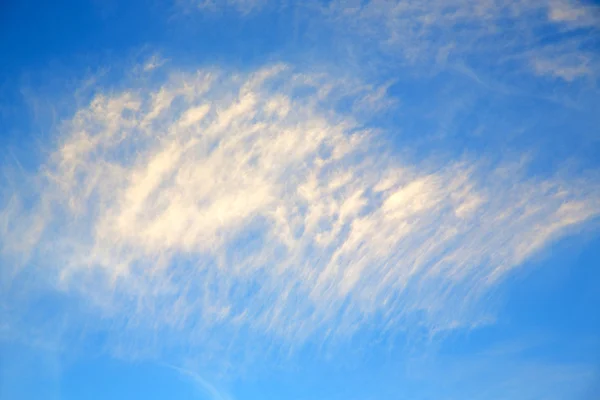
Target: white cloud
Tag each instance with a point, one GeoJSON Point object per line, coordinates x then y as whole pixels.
{"type": "Point", "coordinates": [574, 13]}
{"type": "Point", "coordinates": [568, 66]}
{"type": "Point", "coordinates": [218, 202]}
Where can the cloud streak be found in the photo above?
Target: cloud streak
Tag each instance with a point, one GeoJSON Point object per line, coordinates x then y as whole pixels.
{"type": "Point", "coordinates": [252, 202]}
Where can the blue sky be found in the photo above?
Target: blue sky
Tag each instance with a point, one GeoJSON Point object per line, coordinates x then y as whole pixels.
{"type": "Point", "coordinates": [262, 199]}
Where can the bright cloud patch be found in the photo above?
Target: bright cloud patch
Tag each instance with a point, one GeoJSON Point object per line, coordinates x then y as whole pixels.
{"type": "Point", "coordinates": [216, 202]}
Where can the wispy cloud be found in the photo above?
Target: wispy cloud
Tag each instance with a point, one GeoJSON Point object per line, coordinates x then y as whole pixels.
{"type": "Point", "coordinates": [246, 202]}
{"type": "Point", "coordinates": [567, 68]}
{"type": "Point", "coordinates": [489, 33]}
{"type": "Point", "coordinates": [243, 6]}
{"type": "Point", "coordinates": [203, 385]}
{"type": "Point", "coordinates": [155, 61]}
{"type": "Point", "coordinates": [516, 37]}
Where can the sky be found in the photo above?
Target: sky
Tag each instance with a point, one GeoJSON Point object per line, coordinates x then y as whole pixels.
{"type": "Point", "coordinates": [270, 199]}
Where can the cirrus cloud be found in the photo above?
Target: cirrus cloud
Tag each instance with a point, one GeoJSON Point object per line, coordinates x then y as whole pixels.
{"type": "Point", "coordinates": [217, 203]}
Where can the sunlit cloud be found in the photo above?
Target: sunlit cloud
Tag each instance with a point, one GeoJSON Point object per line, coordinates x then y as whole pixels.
{"type": "Point", "coordinates": [218, 202]}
